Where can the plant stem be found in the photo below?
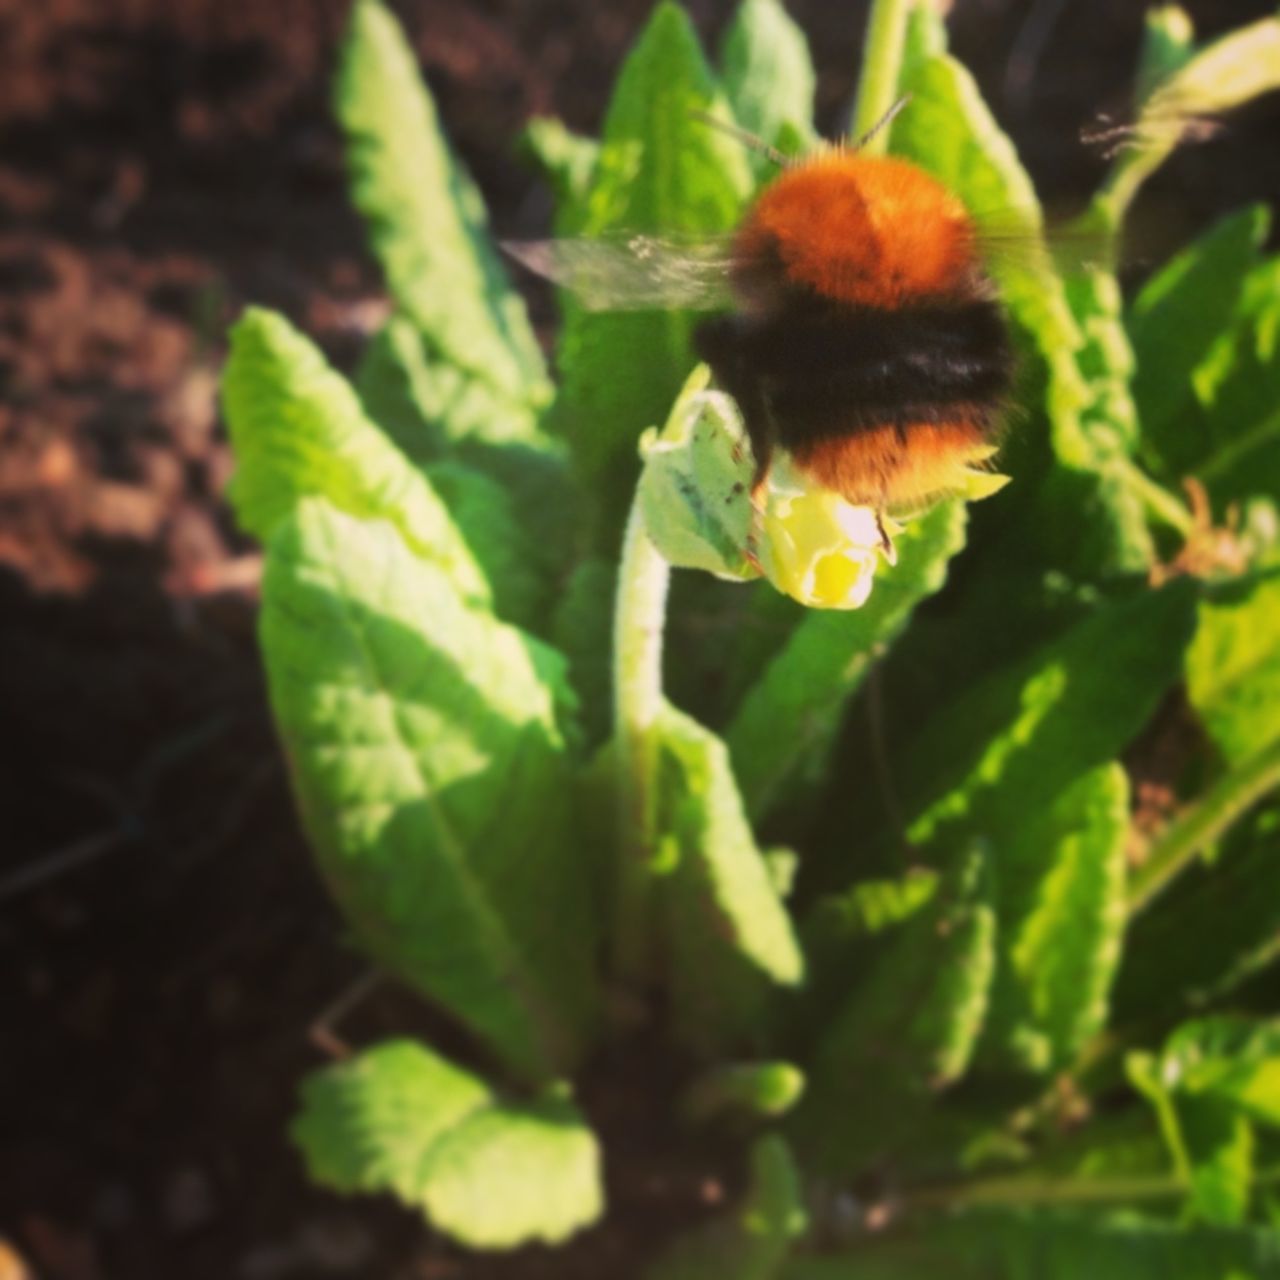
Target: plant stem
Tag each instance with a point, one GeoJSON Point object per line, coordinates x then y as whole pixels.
{"type": "Point", "coordinates": [1158, 501]}
{"type": "Point", "coordinates": [1187, 835]}
{"type": "Point", "coordinates": [639, 613]}
{"type": "Point", "coordinates": [881, 70]}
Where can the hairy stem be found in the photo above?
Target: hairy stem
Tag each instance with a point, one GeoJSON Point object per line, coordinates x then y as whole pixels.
{"type": "Point", "coordinates": [638, 619]}
{"type": "Point", "coordinates": [881, 70]}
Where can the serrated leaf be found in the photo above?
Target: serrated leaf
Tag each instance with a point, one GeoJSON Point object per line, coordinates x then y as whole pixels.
{"type": "Point", "coordinates": [753, 1241]}
{"type": "Point", "coordinates": [1050, 726]}
{"type": "Point", "coordinates": [663, 172]}
{"type": "Point", "coordinates": [490, 1173]}
{"type": "Point", "coordinates": [299, 432]}
{"type": "Point", "coordinates": [1233, 667]}
{"type": "Point", "coordinates": [907, 1030]}
{"type": "Point", "coordinates": [426, 219]}
{"type": "Point", "coordinates": [1052, 1244]}
{"type": "Point", "coordinates": [727, 935]}
{"type": "Point", "coordinates": [794, 706]}
{"type": "Point", "coordinates": [1062, 892]}
{"type": "Point", "coordinates": [948, 130]}
{"type": "Point", "coordinates": [1173, 323]}
{"type": "Point", "coordinates": [429, 762]}
{"type": "Point", "coordinates": [768, 76]}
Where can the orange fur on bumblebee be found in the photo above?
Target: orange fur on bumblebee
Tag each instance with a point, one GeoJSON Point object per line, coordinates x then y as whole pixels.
{"type": "Point", "coordinates": [863, 335]}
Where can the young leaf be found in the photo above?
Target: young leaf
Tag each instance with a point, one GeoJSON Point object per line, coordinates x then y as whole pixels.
{"type": "Point", "coordinates": [664, 172]}
{"type": "Point", "coordinates": [567, 161]}
{"type": "Point", "coordinates": [1233, 667]}
{"type": "Point", "coordinates": [948, 130]}
{"type": "Point", "coordinates": [1174, 322]}
{"type": "Point", "coordinates": [1061, 889]}
{"type": "Point", "coordinates": [728, 936]}
{"type": "Point", "coordinates": [490, 1173]}
{"type": "Point", "coordinates": [794, 706]}
{"type": "Point", "coordinates": [299, 432]}
{"type": "Point", "coordinates": [743, 1089]}
{"type": "Point", "coordinates": [426, 219]}
{"type": "Point", "coordinates": [768, 76]}
{"type": "Point", "coordinates": [908, 1029]}
{"type": "Point", "coordinates": [429, 762]}
{"type": "Point", "coordinates": [753, 1240]}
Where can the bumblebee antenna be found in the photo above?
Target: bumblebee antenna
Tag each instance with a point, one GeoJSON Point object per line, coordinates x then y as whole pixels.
{"type": "Point", "coordinates": [883, 123]}
{"type": "Point", "coordinates": [749, 140]}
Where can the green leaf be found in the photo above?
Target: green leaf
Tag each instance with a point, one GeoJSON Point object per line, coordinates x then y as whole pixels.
{"type": "Point", "coordinates": [728, 937]}
{"type": "Point", "coordinates": [796, 704]}
{"type": "Point", "coordinates": [1233, 667]}
{"type": "Point", "coordinates": [490, 1173]}
{"type": "Point", "coordinates": [1223, 75]}
{"type": "Point", "coordinates": [1231, 907]}
{"type": "Point", "coordinates": [755, 1089]}
{"type": "Point", "coordinates": [907, 1030]}
{"type": "Point", "coordinates": [1173, 323]}
{"type": "Point", "coordinates": [426, 404]}
{"type": "Point", "coordinates": [299, 432]}
{"type": "Point", "coordinates": [663, 172]}
{"type": "Point", "coordinates": [1167, 45]}
{"type": "Point", "coordinates": [483, 512]}
{"type": "Point", "coordinates": [1219, 1143]}
{"type": "Point", "coordinates": [1021, 761]}
{"type": "Point", "coordinates": [1061, 891]}
{"type": "Point", "coordinates": [948, 130]}
{"type": "Point", "coordinates": [567, 161]}
{"type": "Point", "coordinates": [753, 1241]}
{"type": "Point", "coordinates": [429, 762]}
{"type": "Point", "coordinates": [1237, 385]}
{"type": "Point", "coordinates": [426, 220]}
{"type": "Point", "coordinates": [1051, 1244]}
{"type": "Point", "coordinates": [582, 629]}
{"type": "Point", "coordinates": [768, 76]}
{"type": "Point", "coordinates": [1229, 1057]}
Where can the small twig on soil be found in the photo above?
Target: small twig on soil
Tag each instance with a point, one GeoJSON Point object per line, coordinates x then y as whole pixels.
{"type": "Point", "coordinates": [52, 865]}
{"type": "Point", "coordinates": [323, 1031]}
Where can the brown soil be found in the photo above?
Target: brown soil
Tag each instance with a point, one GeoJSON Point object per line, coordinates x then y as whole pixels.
{"type": "Point", "coordinates": [163, 942]}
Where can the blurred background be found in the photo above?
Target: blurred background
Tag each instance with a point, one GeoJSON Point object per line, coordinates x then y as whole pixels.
{"type": "Point", "coordinates": [164, 945]}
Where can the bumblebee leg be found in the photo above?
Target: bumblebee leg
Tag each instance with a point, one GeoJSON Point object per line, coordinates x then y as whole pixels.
{"type": "Point", "coordinates": [886, 542]}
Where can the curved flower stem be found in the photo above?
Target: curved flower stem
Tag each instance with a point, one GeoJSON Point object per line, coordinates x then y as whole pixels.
{"type": "Point", "coordinates": [1187, 835]}
{"type": "Point", "coordinates": [639, 614]}
{"type": "Point", "coordinates": [881, 70]}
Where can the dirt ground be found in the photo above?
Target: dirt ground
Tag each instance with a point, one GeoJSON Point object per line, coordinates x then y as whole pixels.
{"type": "Point", "coordinates": [164, 944]}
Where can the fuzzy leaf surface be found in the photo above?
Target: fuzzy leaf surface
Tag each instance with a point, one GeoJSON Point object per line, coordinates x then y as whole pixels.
{"type": "Point", "coordinates": [300, 432]}
{"type": "Point", "coordinates": [426, 220]}
{"type": "Point", "coordinates": [490, 1173]}
{"type": "Point", "coordinates": [428, 757]}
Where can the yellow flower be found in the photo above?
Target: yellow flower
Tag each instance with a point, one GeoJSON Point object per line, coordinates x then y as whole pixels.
{"type": "Point", "coordinates": [818, 549]}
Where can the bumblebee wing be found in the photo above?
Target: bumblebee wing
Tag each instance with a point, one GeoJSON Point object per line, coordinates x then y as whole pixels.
{"type": "Point", "coordinates": [634, 272]}
{"type": "Point", "coordinates": [1018, 240]}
